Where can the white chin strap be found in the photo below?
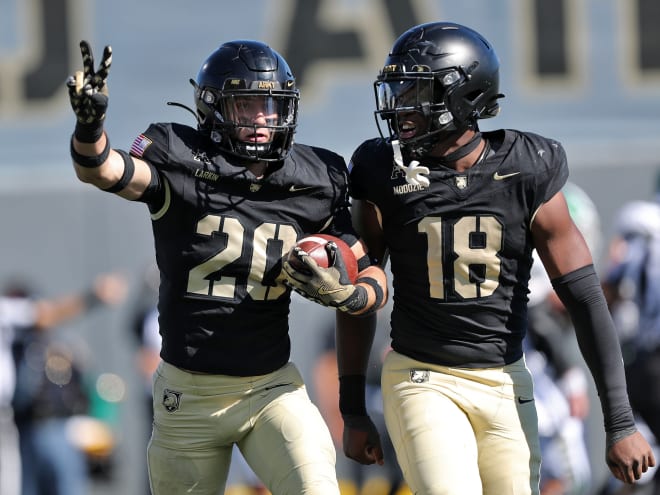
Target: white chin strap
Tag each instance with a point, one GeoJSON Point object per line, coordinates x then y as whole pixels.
{"type": "Point", "coordinates": [414, 173]}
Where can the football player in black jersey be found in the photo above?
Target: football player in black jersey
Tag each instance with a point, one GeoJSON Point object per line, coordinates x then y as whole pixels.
{"type": "Point", "coordinates": [459, 213]}
{"type": "Point", "coordinates": [227, 200]}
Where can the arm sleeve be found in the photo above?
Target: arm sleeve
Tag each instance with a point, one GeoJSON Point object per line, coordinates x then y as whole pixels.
{"type": "Point", "coordinates": [581, 293]}
{"type": "Point", "coordinates": [354, 338]}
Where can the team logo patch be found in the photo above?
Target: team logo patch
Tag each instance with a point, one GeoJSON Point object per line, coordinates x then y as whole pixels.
{"type": "Point", "coordinates": [419, 376]}
{"type": "Point", "coordinates": [140, 145]}
{"type": "Point", "coordinates": [461, 181]}
{"type": "Point", "coordinates": [171, 400]}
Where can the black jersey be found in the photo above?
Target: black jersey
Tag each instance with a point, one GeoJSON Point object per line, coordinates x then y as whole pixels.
{"type": "Point", "coordinates": [219, 235]}
{"type": "Point", "coordinates": [461, 249]}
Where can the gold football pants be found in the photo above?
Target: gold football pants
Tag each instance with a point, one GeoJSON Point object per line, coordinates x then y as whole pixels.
{"type": "Point", "coordinates": [462, 431]}
{"type": "Point", "coordinates": [280, 432]}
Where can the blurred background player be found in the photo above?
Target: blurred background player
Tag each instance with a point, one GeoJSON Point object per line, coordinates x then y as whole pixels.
{"type": "Point", "coordinates": [146, 335]}
{"type": "Point", "coordinates": [632, 285]}
{"type": "Point", "coordinates": [47, 387]}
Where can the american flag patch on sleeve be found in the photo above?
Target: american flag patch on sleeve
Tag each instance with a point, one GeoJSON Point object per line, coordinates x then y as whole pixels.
{"type": "Point", "coordinates": [140, 145]}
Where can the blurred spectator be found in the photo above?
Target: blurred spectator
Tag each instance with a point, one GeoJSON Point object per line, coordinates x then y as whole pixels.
{"type": "Point", "coordinates": [149, 356]}
{"type": "Point", "coordinates": [560, 382]}
{"type": "Point", "coordinates": [47, 386]}
{"type": "Point", "coordinates": [146, 334]}
{"type": "Point", "coordinates": [561, 395]}
{"type": "Point", "coordinates": [632, 287]}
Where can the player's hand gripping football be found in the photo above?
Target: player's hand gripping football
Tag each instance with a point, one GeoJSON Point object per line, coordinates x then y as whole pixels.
{"type": "Point", "coordinates": [88, 93]}
{"type": "Point", "coordinates": [327, 286]}
{"type": "Point", "coordinates": [361, 440]}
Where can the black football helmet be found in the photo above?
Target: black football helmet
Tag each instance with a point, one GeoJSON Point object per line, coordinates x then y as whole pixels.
{"type": "Point", "coordinates": [236, 75]}
{"type": "Point", "coordinates": [447, 73]}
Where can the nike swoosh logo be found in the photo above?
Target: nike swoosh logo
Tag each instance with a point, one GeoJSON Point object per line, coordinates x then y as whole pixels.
{"type": "Point", "coordinates": [300, 188]}
{"type": "Point", "coordinates": [522, 400]}
{"type": "Point", "coordinates": [277, 386]}
{"type": "Point", "coordinates": [497, 176]}
{"type": "Point", "coordinates": [324, 292]}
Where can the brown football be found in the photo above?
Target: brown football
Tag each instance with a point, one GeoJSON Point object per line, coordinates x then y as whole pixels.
{"type": "Point", "coordinates": [314, 245]}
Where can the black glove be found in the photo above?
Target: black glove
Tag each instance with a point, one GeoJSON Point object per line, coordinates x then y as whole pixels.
{"type": "Point", "coordinates": [88, 93]}
{"type": "Point", "coordinates": [327, 286]}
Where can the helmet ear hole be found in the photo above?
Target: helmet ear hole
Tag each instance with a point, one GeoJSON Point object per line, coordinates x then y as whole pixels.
{"type": "Point", "coordinates": [492, 109]}
{"type": "Point", "coordinates": [474, 96]}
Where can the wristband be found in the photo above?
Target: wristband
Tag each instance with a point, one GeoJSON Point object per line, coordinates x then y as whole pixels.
{"type": "Point", "coordinates": [90, 161]}
{"type": "Point", "coordinates": [373, 283]}
{"type": "Point", "coordinates": [356, 301]}
{"type": "Point", "coordinates": [88, 133]}
{"type": "Point", "coordinates": [351, 395]}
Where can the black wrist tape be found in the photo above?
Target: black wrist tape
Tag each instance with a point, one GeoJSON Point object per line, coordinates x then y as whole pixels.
{"type": "Point", "coordinates": [129, 170]}
{"type": "Point", "coordinates": [90, 161]}
{"type": "Point", "coordinates": [351, 395]}
{"type": "Point", "coordinates": [580, 292]}
{"type": "Point", "coordinates": [88, 133]}
{"type": "Point", "coordinates": [356, 301]}
{"type": "Point", "coordinates": [378, 290]}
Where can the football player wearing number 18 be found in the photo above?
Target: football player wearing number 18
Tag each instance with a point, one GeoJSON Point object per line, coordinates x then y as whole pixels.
{"type": "Point", "coordinates": [460, 213]}
{"type": "Point", "coordinates": [228, 199]}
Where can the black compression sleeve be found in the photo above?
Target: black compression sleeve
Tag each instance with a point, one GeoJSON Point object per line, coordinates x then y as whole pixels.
{"type": "Point", "coordinates": [581, 293]}
{"type": "Point", "coordinates": [352, 395]}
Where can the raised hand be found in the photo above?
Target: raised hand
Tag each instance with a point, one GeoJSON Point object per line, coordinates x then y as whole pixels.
{"type": "Point", "coordinates": [88, 93]}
